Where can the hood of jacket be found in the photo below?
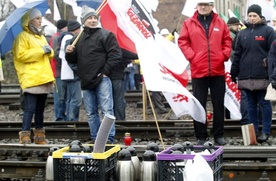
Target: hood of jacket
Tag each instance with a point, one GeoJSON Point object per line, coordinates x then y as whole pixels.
{"type": "Point", "coordinates": [25, 21]}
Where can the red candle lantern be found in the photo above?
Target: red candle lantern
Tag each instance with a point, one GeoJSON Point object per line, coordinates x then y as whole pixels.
{"type": "Point", "coordinates": [127, 139]}
{"type": "Point", "coordinates": [209, 117]}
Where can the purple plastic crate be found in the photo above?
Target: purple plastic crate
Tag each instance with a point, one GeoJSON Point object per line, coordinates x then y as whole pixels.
{"type": "Point", "coordinates": [171, 168]}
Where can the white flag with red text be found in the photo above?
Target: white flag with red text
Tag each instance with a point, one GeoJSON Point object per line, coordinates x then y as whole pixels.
{"type": "Point", "coordinates": [163, 64]}
{"type": "Point", "coordinates": [232, 95]}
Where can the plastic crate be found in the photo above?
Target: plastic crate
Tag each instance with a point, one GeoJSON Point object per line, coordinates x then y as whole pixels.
{"type": "Point", "coordinates": [170, 166]}
{"type": "Point", "coordinates": [73, 166]}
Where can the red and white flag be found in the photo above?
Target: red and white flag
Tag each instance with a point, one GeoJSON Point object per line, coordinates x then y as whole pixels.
{"type": "Point", "coordinates": [232, 95]}
{"type": "Point", "coordinates": [163, 64]}
{"type": "Point", "coordinates": [56, 12]}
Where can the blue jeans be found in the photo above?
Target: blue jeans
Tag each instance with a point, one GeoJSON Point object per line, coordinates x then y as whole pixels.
{"type": "Point", "coordinates": [34, 105]}
{"type": "Point", "coordinates": [255, 98]}
{"type": "Point", "coordinates": [70, 95]}
{"type": "Point", "coordinates": [129, 80]}
{"type": "Point", "coordinates": [119, 99]}
{"type": "Point", "coordinates": [59, 109]}
{"type": "Point", "coordinates": [102, 98]}
{"type": "Point", "coordinates": [244, 108]}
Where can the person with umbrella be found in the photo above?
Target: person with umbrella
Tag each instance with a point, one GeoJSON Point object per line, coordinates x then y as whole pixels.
{"type": "Point", "coordinates": [32, 55]}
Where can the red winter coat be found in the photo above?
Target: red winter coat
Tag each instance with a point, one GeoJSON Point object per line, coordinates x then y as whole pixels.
{"type": "Point", "coordinates": [206, 56]}
{"type": "Point", "coordinates": [54, 63]}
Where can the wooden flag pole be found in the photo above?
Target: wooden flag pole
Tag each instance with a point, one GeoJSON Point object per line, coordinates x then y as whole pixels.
{"type": "Point", "coordinates": [144, 99]}
{"type": "Point", "coordinates": [156, 121]}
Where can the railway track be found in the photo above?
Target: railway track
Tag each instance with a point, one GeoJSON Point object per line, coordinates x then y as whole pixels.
{"type": "Point", "coordinates": [11, 94]}
{"type": "Point", "coordinates": [11, 97]}
{"type": "Point", "coordinates": [239, 163]}
{"type": "Point", "coordinates": [140, 129]}
{"type": "Point", "coordinates": [28, 161]}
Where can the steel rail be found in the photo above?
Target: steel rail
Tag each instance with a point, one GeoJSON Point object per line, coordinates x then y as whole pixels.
{"type": "Point", "coordinates": [138, 129]}
{"type": "Point", "coordinates": [244, 167]}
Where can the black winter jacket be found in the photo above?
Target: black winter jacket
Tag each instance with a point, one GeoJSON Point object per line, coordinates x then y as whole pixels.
{"type": "Point", "coordinates": [272, 61]}
{"type": "Point", "coordinates": [118, 71]}
{"type": "Point", "coordinates": [96, 53]}
{"type": "Point", "coordinates": [252, 47]}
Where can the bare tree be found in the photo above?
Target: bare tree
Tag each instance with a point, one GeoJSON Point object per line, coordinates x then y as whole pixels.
{"type": "Point", "coordinates": [6, 7]}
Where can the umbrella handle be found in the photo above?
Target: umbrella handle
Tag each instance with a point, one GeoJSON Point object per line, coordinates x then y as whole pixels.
{"type": "Point", "coordinates": [77, 39]}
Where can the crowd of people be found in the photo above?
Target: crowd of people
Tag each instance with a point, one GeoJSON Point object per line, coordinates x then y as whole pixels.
{"type": "Point", "coordinates": [251, 50]}
{"type": "Point", "coordinates": [96, 77]}
{"type": "Point", "coordinates": [83, 63]}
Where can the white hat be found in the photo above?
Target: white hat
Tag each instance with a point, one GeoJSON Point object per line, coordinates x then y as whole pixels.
{"type": "Point", "coordinates": [48, 31]}
{"type": "Point", "coordinates": [34, 13]}
{"type": "Point", "coordinates": [205, 1]}
{"type": "Point", "coordinates": [274, 17]}
{"type": "Point", "coordinates": [164, 31]}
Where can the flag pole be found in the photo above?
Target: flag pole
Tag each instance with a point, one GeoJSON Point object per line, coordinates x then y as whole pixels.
{"type": "Point", "coordinates": [144, 98]}
{"type": "Point", "coordinates": [98, 10]}
{"type": "Point", "coordinates": [167, 115]}
{"type": "Point", "coordinates": [155, 119]}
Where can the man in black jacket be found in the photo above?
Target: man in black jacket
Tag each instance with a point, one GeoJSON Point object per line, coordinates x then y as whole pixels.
{"type": "Point", "coordinates": [96, 54]}
{"type": "Point", "coordinates": [117, 79]}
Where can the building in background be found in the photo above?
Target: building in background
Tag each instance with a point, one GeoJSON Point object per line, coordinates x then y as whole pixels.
{"type": "Point", "coordinates": [237, 6]}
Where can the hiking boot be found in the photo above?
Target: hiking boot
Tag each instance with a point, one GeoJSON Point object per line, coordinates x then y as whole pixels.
{"type": "Point", "coordinates": [24, 137]}
{"type": "Point", "coordinates": [262, 138]}
{"type": "Point", "coordinates": [39, 136]}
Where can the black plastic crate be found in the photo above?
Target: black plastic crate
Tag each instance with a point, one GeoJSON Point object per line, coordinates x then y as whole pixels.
{"type": "Point", "coordinates": [170, 167]}
{"type": "Point", "coordinates": [85, 166]}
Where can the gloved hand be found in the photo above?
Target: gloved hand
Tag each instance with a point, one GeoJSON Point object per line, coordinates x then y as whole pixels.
{"type": "Point", "coordinates": [47, 49]}
{"type": "Point", "coordinates": [174, 31]}
{"type": "Point", "coordinates": [234, 79]}
{"type": "Point", "coordinates": [273, 84]}
{"type": "Point", "coordinates": [265, 63]}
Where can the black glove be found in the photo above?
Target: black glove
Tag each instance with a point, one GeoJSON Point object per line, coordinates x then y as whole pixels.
{"type": "Point", "coordinates": [47, 49]}
{"type": "Point", "coordinates": [234, 79]}
{"type": "Point", "coordinates": [174, 31]}
{"type": "Point", "coordinates": [273, 84]}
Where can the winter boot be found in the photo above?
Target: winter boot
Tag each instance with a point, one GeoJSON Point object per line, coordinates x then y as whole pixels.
{"type": "Point", "coordinates": [24, 137]}
{"type": "Point", "coordinates": [39, 136]}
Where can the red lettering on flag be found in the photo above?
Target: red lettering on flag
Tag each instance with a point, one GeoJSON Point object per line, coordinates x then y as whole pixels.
{"type": "Point", "coordinates": [180, 98]}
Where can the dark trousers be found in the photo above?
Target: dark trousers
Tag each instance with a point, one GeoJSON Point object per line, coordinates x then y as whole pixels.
{"type": "Point", "coordinates": [137, 80]}
{"type": "Point", "coordinates": [200, 87]}
{"type": "Point", "coordinates": [157, 100]}
{"type": "Point", "coordinates": [119, 102]}
{"type": "Point", "coordinates": [256, 105]}
{"type": "Point", "coordinates": [244, 108]}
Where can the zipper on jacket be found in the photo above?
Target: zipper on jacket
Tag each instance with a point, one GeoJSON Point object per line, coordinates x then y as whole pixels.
{"type": "Point", "coordinates": [253, 26]}
{"type": "Point", "coordinates": [209, 61]}
{"type": "Point", "coordinates": [208, 43]}
{"type": "Point", "coordinates": [205, 27]}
